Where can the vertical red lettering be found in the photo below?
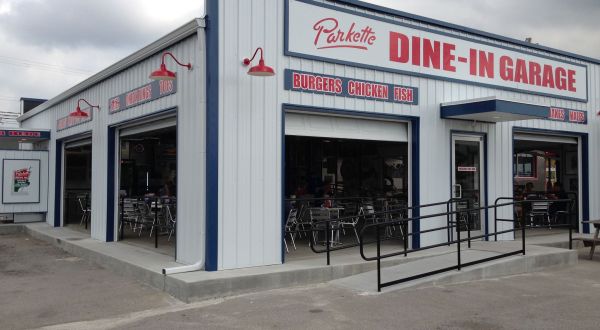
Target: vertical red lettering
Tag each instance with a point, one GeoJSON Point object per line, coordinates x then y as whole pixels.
{"type": "Point", "coordinates": [521, 71]}
{"type": "Point", "coordinates": [448, 57]}
{"type": "Point", "coordinates": [472, 62]}
{"type": "Point", "coordinates": [506, 71]}
{"type": "Point", "coordinates": [534, 73]}
{"type": "Point", "coordinates": [548, 79]}
{"type": "Point", "coordinates": [431, 53]}
{"type": "Point", "coordinates": [416, 51]}
{"type": "Point", "coordinates": [398, 47]}
{"type": "Point", "coordinates": [561, 80]}
{"type": "Point", "coordinates": [486, 64]}
{"type": "Point", "coordinates": [571, 81]}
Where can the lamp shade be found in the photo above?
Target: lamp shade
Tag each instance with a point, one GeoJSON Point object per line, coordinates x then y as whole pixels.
{"type": "Point", "coordinates": [163, 74]}
{"type": "Point", "coordinates": [78, 113]}
{"type": "Point", "coordinates": [261, 70]}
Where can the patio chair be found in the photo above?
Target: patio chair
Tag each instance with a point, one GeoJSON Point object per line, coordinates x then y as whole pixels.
{"type": "Point", "coordinates": [291, 225]}
{"type": "Point", "coordinates": [85, 210]}
{"type": "Point", "coordinates": [539, 210]}
{"type": "Point", "coordinates": [318, 216]}
{"type": "Point", "coordinates": [171, 219]}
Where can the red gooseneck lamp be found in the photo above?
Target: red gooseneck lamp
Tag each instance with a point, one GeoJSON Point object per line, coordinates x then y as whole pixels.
{"type": "Point", "coordinates": [260, 70]}
{"type": "Point", "coordinates": [80, 114]}
{"type": "Point", "coordinates": [163, 73]}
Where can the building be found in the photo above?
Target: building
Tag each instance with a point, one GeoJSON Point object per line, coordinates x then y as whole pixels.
{"type": "Point", "coordinates": [367, 100]}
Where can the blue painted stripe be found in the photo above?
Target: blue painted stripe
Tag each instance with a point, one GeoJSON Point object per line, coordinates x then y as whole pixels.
{"type": "Point", "coordinates": [110, 186]}
{"type": "Point", "coordinates": [58, 183]}
{"type": "Point", "coordinates": [212, 135]}
{"type": "Point", "coordinates": [415, 180]}
{"type": "Point", "coordinates": [585, 187]}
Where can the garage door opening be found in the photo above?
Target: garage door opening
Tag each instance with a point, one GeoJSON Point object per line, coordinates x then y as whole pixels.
{"type": "Point", "coordinates": [546, 168]}
{"type": "Point", "coordinates": [342, 168]}
{"type": "Point", "coordinates": [147, 189]}
{"type": "Point", "coordinates": [78, 185]}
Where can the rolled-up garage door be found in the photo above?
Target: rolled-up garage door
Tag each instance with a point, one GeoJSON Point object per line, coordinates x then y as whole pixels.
{"type": "Point", "coordinates": [302, 124]}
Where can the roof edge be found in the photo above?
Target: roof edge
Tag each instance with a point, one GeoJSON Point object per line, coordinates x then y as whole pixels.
{"type": "Point", "coordinates": [173, 37]}
{"type": "Point", "coordinates": [439, 23]}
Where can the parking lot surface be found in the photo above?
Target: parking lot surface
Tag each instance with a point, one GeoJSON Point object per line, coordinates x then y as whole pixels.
{"type": "Point", "coordinates": [41, 286]}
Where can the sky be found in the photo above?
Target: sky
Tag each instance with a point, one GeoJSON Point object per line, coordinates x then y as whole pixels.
{"type": "Point", "coordinates": [51, 45]}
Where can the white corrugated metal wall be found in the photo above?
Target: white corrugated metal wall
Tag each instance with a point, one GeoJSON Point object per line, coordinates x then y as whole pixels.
{"type": "Point", "coordinates": [250, 129]}
{"type": "Point", "coordinates": [190, 101]}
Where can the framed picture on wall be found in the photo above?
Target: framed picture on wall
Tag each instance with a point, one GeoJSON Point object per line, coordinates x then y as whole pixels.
{"type": "Point", "coordinates": [20, 181]}
{"type": "Point", "coordinates": [571, 162]}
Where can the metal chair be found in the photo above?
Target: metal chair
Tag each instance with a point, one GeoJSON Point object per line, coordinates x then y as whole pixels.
{"type": "Point", "coordinates": [85, 211]}
{"type": "Point", "coordinates": [318, 216]}
{"type": "Point", "coordinates": [171, 219]}
{"type": "Point", "coordinates": [539, 210]}
{"type": "Point", "coordinates": [291, 225]}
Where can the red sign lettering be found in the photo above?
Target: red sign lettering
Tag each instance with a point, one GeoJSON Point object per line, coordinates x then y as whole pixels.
{"type": "Point", "coordinates": [330, 36]}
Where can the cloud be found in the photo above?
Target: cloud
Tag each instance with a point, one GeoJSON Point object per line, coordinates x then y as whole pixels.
{"type": "Point", "coordinates": [76, 23]}
{"type": "Point", "coordinates": [70, 36]}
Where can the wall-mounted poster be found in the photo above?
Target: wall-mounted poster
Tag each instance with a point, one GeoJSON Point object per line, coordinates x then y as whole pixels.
{"type": "Point", "coordinates": [20, 181]}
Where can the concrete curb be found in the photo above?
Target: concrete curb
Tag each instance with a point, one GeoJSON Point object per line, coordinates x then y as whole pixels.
{"type": "Point", "coordinates": [11, 229]}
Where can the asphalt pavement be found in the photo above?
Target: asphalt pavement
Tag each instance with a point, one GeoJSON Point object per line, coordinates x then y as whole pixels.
{"type": "Point", "coordinates": [42, 286]}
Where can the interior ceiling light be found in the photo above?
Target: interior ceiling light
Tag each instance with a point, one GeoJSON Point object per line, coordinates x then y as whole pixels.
{"type": "Point", "coordinates": [81, 114]}
{"type": "Point", "coordinates": [260, 70]}
{"type": "Point", "coordinates": [163, 73]}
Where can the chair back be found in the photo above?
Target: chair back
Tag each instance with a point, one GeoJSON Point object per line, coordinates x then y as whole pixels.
{"type": "Point", "coordinates": [539, 207]}
{"type": "Point", "coordinates": [291, 218]}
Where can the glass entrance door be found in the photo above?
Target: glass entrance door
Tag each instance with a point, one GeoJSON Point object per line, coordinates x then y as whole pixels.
{"type": "Point", "coordinates": [467, 178]}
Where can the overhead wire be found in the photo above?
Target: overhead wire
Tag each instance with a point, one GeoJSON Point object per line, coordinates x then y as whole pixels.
{"type": "Point", "coordinates": [43, 66]}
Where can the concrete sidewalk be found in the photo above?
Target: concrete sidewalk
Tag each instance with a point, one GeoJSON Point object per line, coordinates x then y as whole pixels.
{"type": "Point", "coordinates": [145, 265]}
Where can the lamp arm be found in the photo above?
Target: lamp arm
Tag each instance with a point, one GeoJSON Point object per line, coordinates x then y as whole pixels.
{"type": "Point", "coordinates": [88, 103]}
{"type": "Point", "coordinates": [189, 65]}
{"type": "Point", "coordinates": [247, 61]}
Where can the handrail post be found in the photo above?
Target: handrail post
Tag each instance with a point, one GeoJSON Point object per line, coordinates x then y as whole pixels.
{"type": "Point", "coordinates": [404, 227]}
{"type": "Point", "coordinates": [378, 258]}
{"type": "Point", "coordinates": [85, 207]}
{"type": "Point", "coordinates": [449, 229]}
{"type": "Point", "coordinates": [458, 242]}
{"type": "Point", "coordinates": [328, 241]}
{"type": "Point", "coordinates": [122, 216]}
{"type": "Point", "coordinates": [468, 223]}
{"type": "Point", "coordinates": [523, 234]}
{"type": "Point", "coordinates": [155, 222]}
{"type": "Point", "coordinates": [496, 221]}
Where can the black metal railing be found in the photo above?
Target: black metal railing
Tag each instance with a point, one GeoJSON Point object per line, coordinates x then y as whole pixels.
{"type": "Point", "coordinates": [383, 217]}
{"type": "Point", "coordinates": [455, 218]}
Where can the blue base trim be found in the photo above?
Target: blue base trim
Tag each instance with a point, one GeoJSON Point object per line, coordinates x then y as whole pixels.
{"type": "Point", "coordinates": [58, 183]}
{"type": "Point", "coordinates": [110, 186]}
{"type": "Point", "coordinates": [212, 135]}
